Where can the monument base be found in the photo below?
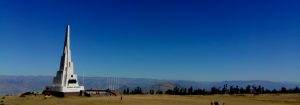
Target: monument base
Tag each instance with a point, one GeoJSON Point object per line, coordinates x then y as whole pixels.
{"type": "Point", "coordinates": [65, 89]}
{"type": "Point", "coordinates": [62, 91]}
{"type": "Point", "coordinates": [63, 94]}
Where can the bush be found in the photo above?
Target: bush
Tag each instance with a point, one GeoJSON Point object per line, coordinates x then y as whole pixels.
{"type": "Point", "coordinates": [87, 94]}
{"type": "Point", "coordinates": [216, 103]}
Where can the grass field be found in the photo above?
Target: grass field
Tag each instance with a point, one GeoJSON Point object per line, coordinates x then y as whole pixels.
{"type": "Point", "coordinates": [283, 99]}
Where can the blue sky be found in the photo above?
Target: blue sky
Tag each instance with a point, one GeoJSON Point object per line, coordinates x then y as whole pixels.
{"type": "Point", "coordinates": [201, 40]}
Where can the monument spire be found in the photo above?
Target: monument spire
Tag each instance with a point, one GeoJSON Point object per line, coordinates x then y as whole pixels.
{"type": "Point", "coordinates": [67, 40]}
{"type": "Point", "coordinates": [66, 60]}
{"type": "Point", "coordinates": [65, 79]}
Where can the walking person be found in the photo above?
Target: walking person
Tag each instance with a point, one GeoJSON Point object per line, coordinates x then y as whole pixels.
{"type": "Point", "coordinates": [121, 98]}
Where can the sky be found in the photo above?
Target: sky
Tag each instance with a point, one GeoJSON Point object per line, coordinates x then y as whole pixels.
{"type": "Point", "coordinates": [200, 40]}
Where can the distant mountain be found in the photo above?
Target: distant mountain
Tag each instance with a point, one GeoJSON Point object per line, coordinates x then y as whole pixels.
{"type": "Point", "coordinates": [14, 85]}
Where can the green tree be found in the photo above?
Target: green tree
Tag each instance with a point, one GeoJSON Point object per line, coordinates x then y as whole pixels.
{"type": "Point", "coordinates": [190, 90]}
{"type": "Point", "coordinates": [248, 89]}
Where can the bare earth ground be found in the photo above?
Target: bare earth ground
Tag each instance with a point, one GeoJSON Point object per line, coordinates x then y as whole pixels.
{"type": "Point", "coordinates": [270, 99]}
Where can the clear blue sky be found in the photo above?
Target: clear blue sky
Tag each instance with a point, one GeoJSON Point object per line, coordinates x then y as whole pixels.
{"type": "Point", "coordinates": [202, 40]}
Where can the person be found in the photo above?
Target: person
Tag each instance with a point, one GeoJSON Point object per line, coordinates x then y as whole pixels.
{"type": "Point", "coordinates": [121, 98]}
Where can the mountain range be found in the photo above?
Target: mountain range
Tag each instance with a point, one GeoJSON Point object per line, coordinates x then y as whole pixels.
{"type": "Point", "coordinates": [14, 85]}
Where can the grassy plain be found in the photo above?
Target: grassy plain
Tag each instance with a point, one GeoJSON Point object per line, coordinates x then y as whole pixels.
{"type": "Point", "coordinates": [267, 99]}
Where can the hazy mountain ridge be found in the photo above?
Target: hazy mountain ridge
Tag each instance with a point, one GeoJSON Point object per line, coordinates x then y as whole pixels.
{"type": "Point", "coordinates": [14, 85]}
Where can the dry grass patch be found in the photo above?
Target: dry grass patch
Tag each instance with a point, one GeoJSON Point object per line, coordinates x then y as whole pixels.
{"type": "Point", "coordinates": [270, 99]}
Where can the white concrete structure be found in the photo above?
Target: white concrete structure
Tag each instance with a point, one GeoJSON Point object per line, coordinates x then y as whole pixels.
{"type": "Point", "coordinates": [66, 80]}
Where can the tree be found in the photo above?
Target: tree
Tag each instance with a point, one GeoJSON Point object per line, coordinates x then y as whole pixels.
{"type": "Point", "coordinates": [254, 88]}
{"type": "Point", "coordinates": [214, 90]}
{"type": "Point", "coordinates": [231, 90]}
{"type": "Point", "coordinates": [169, 91]}
{"type": "Point", "coordinates": [242, 90]}
{"type": "Point", "coordinates": [259, 89]}
{"type": "Point", "coordinates": [267, 91]}
{"type": "Point", "coordinates": [248, 89]}
{"type": "Point", "coordinates": [274, 91]}
{"type": "Point", "coordinates": [159, 92]}
{"type": "Point", "coordinates": [224, 90]}
{"type": "Point", "coordinates": [126, 91]}
{"type": "Point", "coordinates": [296, 90]}
{"type": "Point", "coordinates": [236, 90]}
{"type": "Point", "coordinates": [262, 89]}
{"type": "Point", "coordinates": [180, 92]}
{"type": "Point", "coordinates": [137, 90]}
{"type": "Point", "coordinates": [176, 90]}
{"type": "Point", "coordinates": [200, 92]}
{"type": "Point", "coordinates": [190, 90]}
{"type": "Point", "coordinates": [184, 92]}
{"type": "Point", "coordinates": [151, 91]}
{"type": "Point", "coordinates": [283, 90]}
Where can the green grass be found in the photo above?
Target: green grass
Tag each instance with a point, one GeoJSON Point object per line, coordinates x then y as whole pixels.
{"type": "Point", "coordinates": [270, 99]}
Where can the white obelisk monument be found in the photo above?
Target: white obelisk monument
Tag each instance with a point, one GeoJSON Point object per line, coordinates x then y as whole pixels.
{"type": "Point", "coordinates": [66, 80]}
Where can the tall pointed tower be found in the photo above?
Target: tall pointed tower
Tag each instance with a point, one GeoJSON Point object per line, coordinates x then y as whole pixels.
{"type": "Point", "coordinates": [65, 80]}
